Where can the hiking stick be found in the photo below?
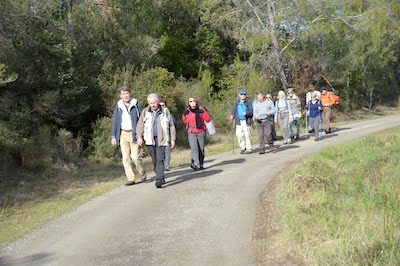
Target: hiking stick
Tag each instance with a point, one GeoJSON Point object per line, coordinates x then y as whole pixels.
{"type": "Point", "coordinates": [233, 136]}
{"type": "Point", "coordinates": [306, 124]}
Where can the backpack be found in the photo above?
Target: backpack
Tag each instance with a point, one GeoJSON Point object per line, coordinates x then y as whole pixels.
{"type": "Point", "coordinates": [335, 97]}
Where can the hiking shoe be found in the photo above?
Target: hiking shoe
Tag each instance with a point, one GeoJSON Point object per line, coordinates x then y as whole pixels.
{"type": "Point", "coordinates": [272, 148]}
{"type": "Point", "coordinates": [159, 182]}
{"type": "Point", "coordinates": [248, 152]}
{"type": "Point", "coordinates": [297, 137]}
{"type": "Point", "coordinates": [194, 167]}
{"type": "Point", "coordinates": [130, 183]}
{"type": "Point", "coordinates": [261, 152]}
{"type": "Point", "coordinates": [201, 168]}
{"type": "Point", "coordinates": [242, 151]}
{"type": "Point", "coordinates": [166, 167]}
{"type": "Point", "coordinates": [311, 131]}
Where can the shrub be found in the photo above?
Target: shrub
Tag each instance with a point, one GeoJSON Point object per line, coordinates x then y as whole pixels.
{"type": "Point", "coordinates": [100, 144]}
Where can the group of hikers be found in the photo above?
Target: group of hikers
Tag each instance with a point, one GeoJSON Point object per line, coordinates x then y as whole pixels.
{"type": "Point", "coordinates": [286, 111]}
{"type": "Point", "coordinates": [155, 126]}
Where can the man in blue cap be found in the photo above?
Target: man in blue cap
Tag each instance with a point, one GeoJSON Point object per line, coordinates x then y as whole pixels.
{"type": "Point", "coordinates": [242, 111]}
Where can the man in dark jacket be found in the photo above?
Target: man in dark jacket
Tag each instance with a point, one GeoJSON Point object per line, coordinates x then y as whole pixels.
{"type": "Point", "coordinates": [242, 111]}
{"type": "Point", "coordinates": [123, 132]}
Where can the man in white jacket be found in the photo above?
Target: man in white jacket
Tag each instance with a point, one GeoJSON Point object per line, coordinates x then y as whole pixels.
{"type": "Point", "coordinates": [155, 128]}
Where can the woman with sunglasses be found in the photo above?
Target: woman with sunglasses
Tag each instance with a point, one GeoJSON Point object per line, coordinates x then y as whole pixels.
{"type": "Point", "coordinates": [194, 118]}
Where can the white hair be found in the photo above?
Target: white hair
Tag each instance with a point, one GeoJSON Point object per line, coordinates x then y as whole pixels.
{"type": "Point", "coordinates": [151, 96]}
{"type": "Point", "coordinates": [281, 94]}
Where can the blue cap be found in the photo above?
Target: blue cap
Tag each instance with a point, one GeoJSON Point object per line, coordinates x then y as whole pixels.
{"type": "Point", "coordinates": [242, 91]}
{"type": "Point", "coordinates": [323, 88]}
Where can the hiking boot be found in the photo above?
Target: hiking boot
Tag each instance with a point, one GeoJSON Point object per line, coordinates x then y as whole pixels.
{"type": "Point", "coordinates": [261, 152]}
{"type": "Point", "coordinates": [159, 182]}
{"type": "Point", "coordinates": [194, 167]}
{"type": "Point", "coordinates": [242, 151]}
{"type": "Point", "coordinates": [272, 148]}
{"type": "Point", "coordinates": [130, 183]}
{"type": "Point", "coordinates": [201, 167]}
{"type": "Point", "coordinates": [248, 152]}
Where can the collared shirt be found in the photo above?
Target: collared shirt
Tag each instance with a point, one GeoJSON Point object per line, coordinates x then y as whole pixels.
{"type": "Point", "coordinates": [126, 122]}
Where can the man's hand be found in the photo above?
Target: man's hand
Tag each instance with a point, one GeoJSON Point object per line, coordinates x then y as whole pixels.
{"type": "Point", "coordinates": [140, 141]}
{"type": "Point", "coordinates": [114, 141]}
{"type": "Point", "coordinates": [172, 144]}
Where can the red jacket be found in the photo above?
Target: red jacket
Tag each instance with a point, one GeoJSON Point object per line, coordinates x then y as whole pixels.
{"type": "Point", "coordinates": [189, 120]}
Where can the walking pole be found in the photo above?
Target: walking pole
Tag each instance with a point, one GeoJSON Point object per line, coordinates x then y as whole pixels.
{"type": "Point", "coordinates": [233, 136]}
{"type": "Point", "coordinates": [306, 124]}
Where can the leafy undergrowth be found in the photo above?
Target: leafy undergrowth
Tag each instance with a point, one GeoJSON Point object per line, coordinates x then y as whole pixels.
{"type": "Point", "coordinates": [342, 205]}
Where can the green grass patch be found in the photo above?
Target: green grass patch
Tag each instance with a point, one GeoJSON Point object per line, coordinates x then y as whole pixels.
{"type": "Point", "coordinates": [342, 205]}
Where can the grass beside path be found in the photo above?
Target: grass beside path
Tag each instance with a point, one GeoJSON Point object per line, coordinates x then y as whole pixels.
{"type": "Point", "coordinates": [341, 206]}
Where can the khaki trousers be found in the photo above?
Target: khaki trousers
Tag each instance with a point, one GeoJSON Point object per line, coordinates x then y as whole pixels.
{"type": "Point", "coordinates": [326, 118]}
{"type": "Point", "coordinates": [131, 152]}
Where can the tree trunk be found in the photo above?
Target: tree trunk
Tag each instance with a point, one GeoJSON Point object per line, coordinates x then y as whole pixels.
{"type": "Point", "coordinates": [275, 45]}
{"type": "Point", "coordinates": [70, 4]}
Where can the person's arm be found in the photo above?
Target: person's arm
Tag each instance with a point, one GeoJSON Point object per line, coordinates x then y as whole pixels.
{"type": "Point", "coordinates": [233, 113]}
{"type": "Point", "coordinates": [298, 104]}
{"type": "Point", "coordinates": [172, 132]}
{"type": "Point", "coordinates": [114, 126]}
{"type": "Point", "coordinates": [139, 129]}
{"type": "Point", "coordinates": [206, 117]}
{"type": "Point", "coordinates": [185, 116]}
{"type": "Point", "coordinates": [249, 111]}
{"type": "Point", "coordinates": [272, 109]}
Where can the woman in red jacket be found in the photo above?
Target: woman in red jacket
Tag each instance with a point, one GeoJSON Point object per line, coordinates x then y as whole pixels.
{"type": "Point", "coordinates": [194, 118]}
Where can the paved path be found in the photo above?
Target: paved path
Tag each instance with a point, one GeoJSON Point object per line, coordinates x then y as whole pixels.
{"type": "Point", "coordinates": [197, 218]}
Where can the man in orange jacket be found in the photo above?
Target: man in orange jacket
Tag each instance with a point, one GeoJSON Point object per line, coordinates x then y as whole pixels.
{"type": "Point", "coordinates": [327, 102]}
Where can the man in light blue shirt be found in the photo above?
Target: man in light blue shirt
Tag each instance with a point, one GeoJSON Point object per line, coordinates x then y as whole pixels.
{"type": "Point", "coordinates": [263, 114]}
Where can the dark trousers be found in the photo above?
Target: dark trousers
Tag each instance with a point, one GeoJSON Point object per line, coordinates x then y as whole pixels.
{"type": "Point", "coordinates": [157, 154]}
{"type": "Point", "coordinates": [264, 133]}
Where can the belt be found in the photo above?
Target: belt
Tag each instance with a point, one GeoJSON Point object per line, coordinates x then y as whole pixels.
{"type": "Point", "coordinates": [284, 113]}
{"type": "Point", "coordinates": [126, 130]}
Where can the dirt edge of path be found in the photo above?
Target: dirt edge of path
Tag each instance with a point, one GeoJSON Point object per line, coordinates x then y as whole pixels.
{"type": "Point", "coordinates": [266, 240]}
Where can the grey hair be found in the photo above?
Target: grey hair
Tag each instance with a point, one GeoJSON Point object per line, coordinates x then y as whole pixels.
{"type": "Point", "coordinates": [153, 95]}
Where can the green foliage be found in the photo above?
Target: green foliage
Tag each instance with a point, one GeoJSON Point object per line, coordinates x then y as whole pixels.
{"type": "Point", "coordinates": [100, 144]}
{"type": "Point", "coordinates": [62, 67]}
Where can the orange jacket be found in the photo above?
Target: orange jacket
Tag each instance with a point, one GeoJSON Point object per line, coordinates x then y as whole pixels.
{"type": "Point", "coordinates": [327, 100]}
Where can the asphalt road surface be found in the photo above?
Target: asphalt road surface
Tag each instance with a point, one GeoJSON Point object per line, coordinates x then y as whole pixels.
{"type": "Point", "coordinates": [196, 218]}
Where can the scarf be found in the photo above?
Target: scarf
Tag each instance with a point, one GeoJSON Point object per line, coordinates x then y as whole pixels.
{"type": "Point", "coordinates": [198, 112]}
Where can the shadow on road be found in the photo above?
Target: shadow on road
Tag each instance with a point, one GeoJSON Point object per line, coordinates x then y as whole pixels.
{"type": "Point", "coordinates": [281, 148]}
{"type": "Point", "coordinates": [36, 259]}
{"type": "Point", "coordinates": [188, 177]}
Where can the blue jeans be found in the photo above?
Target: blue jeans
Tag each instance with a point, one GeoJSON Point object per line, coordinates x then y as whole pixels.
{"type": "Point", "coordinates": [296, 122]}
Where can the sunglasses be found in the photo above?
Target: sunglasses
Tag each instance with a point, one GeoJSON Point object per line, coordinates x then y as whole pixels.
{"type": "Point", "coordinates": [242, 94]}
